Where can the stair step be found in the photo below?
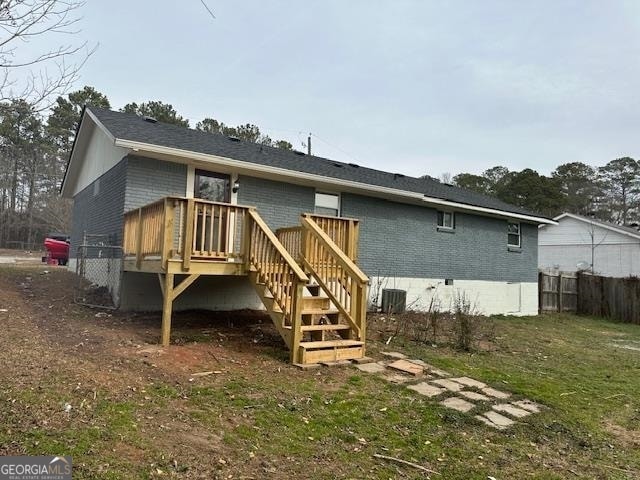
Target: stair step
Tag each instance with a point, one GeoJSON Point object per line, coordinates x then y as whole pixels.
{"type": "Point", "coordinates": [314, 290]}
{"type": "Point", "coordinates": [315, 302]}
{"type": "Point", "coordinates": [331, 344]}
{"type": "Point", "coordinates": [319, 311]}
{"type": "Point", "coordinates": [319, 328]}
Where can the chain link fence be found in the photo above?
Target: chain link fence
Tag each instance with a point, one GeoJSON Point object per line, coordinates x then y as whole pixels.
{"type": "Point", "coordinates": [99, 273]}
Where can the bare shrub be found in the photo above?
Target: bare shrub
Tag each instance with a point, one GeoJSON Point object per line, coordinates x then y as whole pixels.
{"type": "Point", "coordinates": [460, 326]}
{"type": "Point", "coordinates": [465, 319]}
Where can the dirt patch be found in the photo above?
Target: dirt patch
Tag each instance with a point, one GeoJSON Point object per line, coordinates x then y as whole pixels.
{"type": "Point", "coordinates": [138, 404]}
{"type": "Point", "coordinates": [629, 438]}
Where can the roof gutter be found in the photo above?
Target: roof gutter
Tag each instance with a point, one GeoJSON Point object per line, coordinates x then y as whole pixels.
{"type": "Point", "coordinates": [283, 172]}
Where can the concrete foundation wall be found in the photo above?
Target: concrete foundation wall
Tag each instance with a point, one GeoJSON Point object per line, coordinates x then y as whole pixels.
{"type": "Point", "coordinates": [141, 292]}
{"type": "Point", "coordinates": [487, 298]}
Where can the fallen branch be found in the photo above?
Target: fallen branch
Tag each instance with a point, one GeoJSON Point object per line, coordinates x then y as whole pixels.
{"type": "Point", "coordinates": [615, 396]}
{"type": "Point", "coordinates": [404, 462]}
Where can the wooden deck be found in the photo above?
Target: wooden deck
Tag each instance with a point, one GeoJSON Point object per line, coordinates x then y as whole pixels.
{"type": "Point", "coordinates": [305, 275]}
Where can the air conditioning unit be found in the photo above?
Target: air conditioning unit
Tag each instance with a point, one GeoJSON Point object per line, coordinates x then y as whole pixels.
{"type": "Point", "coordinates": [394, 301]}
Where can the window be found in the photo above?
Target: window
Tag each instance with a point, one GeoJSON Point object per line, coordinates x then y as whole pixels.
{"type": "Point", "coordinates": [212, 186]}
{"type": "Point", "coordinates": [448, 281]}
{"type": "Point", "coordinates": [513, 234]}
{"type": "Point", "coordinates": [327, 204]}
{"type": "Point", "coordinates": [446, 220]}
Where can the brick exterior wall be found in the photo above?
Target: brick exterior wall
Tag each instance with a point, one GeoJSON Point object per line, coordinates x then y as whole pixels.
{"type": "Point", "coordinates": [399, 240]}
{"type": "Point", "coordinates": [98, 208]}
{"type": "Point", "coordinates": [396, 240]}
{"type": "Point", "coordinates": [149, 180]}
{"type": "Point", "coordinates": [279, 204]}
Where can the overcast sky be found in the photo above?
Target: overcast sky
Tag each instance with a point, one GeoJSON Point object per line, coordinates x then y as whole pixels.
{"type": "Point", "coordinates": [414, 87]}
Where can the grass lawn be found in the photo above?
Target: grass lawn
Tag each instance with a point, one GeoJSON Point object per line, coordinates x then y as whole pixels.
{"type": "Point", "coordinates": [140, 415]}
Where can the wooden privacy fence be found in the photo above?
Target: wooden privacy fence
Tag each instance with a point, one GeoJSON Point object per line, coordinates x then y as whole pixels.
{"type": "Point", "coordinates": [557, 292]}
{"type": "Point", "coordinates": [615, 298]}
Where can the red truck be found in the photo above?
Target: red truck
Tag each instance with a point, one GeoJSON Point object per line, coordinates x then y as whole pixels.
{"type": "Point", "coordinates": [57, 247]}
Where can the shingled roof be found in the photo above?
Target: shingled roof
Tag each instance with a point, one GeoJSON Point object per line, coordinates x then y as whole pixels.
{"type": "Point", "coordinates": [131, 127]}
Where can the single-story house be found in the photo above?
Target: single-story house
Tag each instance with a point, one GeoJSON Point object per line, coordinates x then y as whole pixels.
{"type": "Point", "coordinates": [241, 223]}
{"type": "Point", "coordinates": [577, 243]}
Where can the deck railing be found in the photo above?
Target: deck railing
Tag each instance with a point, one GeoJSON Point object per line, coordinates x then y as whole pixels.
{"type": "Point", "coordinates": [344, 232]}
{"type": "Point", "coordinates": [185, 229]}
{"type": "Point", "coordinates": [337, 274]}
{"type": "Point", "coordinates": [291, 238]}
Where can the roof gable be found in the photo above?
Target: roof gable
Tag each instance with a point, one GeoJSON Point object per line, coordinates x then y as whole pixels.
{"type": "Point", "coordinates": [621, 229]}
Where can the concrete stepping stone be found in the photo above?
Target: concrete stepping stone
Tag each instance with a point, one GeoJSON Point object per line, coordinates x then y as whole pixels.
{"type": "Point", "coordinates": [396, 355]}
{"type": "Point", "coordinates": [448, 384]}
{"type": "Point", "coordinates": [492, 392]}
{"type": "Point", "coordinates": [426, 389]}
{"type": "Point", "coordinates": [436, 371]}
{"type": "Point", "coordinates": [417, 361]}
{"type": "Point", "coordinates": [469, 382]}
{"type": "Point", "coordinates": [397, 378]}
{"type": "Point", "coordinates": [406, 366]}
{"type": "Point", "coordinates": [527, 405]}
{"type": "Point", "coordinates": [457, 403]}
{"type": "Point", "coordinates": [475, 396]}
{"type": "Point", "coordinates": [495, 420]}
{"type": "Point", "coordinates": [372, 367]}
{"type": "Point", "coordinates": [511, 410]}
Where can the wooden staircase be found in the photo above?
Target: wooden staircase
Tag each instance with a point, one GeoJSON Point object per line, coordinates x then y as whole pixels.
{"type": "Point", "coordinates": [315, 302]}
{"type": "Point", "coordinates": [306, 275]}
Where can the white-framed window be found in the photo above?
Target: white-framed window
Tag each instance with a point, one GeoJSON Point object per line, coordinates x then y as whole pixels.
{"type": "Point", "coordinates": [446, 220]}
{"type": "Point", "coordinates": [327, 204]}
{"type": "Point", "coordinates": [513, 234]}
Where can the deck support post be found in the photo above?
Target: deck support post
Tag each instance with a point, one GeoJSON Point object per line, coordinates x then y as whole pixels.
{"type": "Point", "coordinates": [169, 293]}
{"type": "Point", "coordinates": [296, 321]}
{"type": "Point", "coordinates": [167, 307]}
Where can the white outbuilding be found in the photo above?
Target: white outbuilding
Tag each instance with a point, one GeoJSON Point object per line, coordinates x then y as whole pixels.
{"type": "Point", "coordinates": [583, 243]}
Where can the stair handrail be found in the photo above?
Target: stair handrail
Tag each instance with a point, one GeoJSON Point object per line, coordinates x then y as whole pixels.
{"type": "Point", "coordinates": [348, 264]}
{"type": "Point", "coordinates": [273, 273]}
{"type": "Point", "coordinates": [325, 260]}
{"type": "Point", "coordinates": [296, 269]}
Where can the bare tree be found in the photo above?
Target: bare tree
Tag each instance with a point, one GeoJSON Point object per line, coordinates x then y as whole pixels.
{"type": "Point", "coordinates": [592, 232]}
{"type": "Point", "coordinates": [446, 177]}
{"type": "Point", "coordinates": [45, 72]}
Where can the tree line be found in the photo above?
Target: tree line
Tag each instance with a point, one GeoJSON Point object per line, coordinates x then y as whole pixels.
{"type": "Point", "coordinates": [34, 149]}
{"type": "Point", "coordinates": [610, 192]}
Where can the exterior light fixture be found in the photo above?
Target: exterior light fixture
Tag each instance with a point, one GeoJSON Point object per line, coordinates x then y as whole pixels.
{"type": "Point", "coordinates": [236, 187]}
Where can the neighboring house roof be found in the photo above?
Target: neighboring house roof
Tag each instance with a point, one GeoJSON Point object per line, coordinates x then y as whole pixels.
{"type": "Point", "coordinates": [133, 131]}
{"type": "Point", "coordinates": [632, 232]}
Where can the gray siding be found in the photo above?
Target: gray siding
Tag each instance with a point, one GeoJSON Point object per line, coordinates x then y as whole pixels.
{"type": "Point", "coordinates": [98, 208]}
{"type": "Point", "coordinates": [149, 180]}
{"type": "Point", "coordinates": [280, 204]}
{"type": "Point", "coordinates": [403, 241]}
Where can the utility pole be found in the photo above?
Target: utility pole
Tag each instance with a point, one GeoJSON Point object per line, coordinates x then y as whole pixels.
{"type": "Point", "coordinates": [309, 144]}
